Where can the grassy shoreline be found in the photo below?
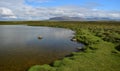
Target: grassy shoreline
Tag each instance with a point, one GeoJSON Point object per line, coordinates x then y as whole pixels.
{"type": "Point", "coordinates": [102, 40]}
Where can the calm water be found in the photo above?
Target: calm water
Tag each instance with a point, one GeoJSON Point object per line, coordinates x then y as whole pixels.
{"type": "Point", "coordinates": [20, 47]}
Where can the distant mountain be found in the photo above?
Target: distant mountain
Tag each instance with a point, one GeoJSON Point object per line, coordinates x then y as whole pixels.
{"type": "Point", "coordinates": [66, 18]}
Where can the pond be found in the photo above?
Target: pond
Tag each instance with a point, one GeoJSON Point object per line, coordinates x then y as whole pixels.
{"type": "Point", "coordinates": [20, 47]}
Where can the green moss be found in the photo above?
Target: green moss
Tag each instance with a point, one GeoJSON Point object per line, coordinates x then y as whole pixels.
{"type": "Point", "coordinates": [57, 63]}
{"type": "Point", "coordinates": [118, 47]}
{"type": "Point", "coordinates": [41, 68]}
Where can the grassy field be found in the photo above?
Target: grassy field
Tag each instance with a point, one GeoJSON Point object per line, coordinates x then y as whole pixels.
{"type": "Point", "coordinates": [102, 50]}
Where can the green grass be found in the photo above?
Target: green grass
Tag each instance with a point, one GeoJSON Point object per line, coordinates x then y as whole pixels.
{"type": "Point", "coordinates": [102, 50]}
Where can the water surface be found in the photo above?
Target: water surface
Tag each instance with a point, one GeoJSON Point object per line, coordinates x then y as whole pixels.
{"type": "Point", "coordinates": [20, 47]}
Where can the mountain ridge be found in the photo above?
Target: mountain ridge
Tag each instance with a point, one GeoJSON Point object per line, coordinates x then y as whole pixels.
{"type": "Point", "coordinates": [66, 18]}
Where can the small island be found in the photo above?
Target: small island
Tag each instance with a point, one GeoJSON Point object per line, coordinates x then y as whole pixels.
{"type": "Point", "coordinates": [39, 37]}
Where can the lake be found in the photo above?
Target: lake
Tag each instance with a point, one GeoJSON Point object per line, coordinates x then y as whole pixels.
{"type": "Point", "coordinates": [20, 47]}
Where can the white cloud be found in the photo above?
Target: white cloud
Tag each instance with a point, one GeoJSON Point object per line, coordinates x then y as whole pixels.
{"type": "Point", "coordinates": [18, 8]}
{"type": "Point", "coordinates": [115, 15]}
{"type": "Point", "coordinates": [43, 12]}
{"type": "Point", "coordinates": [38, 1]}
{"type": "Point", "coordinates": [6, 13]}
{"type": "Point", "coordinates": [11, 3]}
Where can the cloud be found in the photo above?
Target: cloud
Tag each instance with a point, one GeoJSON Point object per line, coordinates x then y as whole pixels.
{"type": "Point", "coordinates": [6, 13]}
{"type": "Point", "coordinates": [45, 13]}
{"type": "Point", "coordinates": [18, 9]}
{"type": "Point", "coordinates": [11, 3]}
{"type": "Point", "coordinates": [37, 1]}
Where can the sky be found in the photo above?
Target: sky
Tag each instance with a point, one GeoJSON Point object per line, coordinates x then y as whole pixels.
{"type": "Point", "coordinates": [45, 9]}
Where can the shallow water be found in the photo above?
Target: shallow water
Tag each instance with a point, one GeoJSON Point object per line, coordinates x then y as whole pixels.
{"type": "Point", "coordinates": [20, 47]}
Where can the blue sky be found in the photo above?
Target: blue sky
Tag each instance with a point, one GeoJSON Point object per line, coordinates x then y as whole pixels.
{"type": "Point", "coordinates": [99, 4]}
{"type": "Point", "coordinates": [45, 9]}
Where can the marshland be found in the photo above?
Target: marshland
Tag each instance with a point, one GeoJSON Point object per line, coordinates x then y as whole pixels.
{"type": "Point", "coordinates": [99, 42]}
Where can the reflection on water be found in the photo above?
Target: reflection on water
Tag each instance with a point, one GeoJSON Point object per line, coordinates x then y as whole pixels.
{"type": "Point", "coordinates": [20, 47]}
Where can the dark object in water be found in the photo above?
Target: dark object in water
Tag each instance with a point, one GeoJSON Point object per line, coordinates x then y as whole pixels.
{"type": "Point", "coordinates": [39, 37]}
{"type": "Point", "coordinates": [79, 48]}
{"type": "Point", "coordinates": [73, 39]}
